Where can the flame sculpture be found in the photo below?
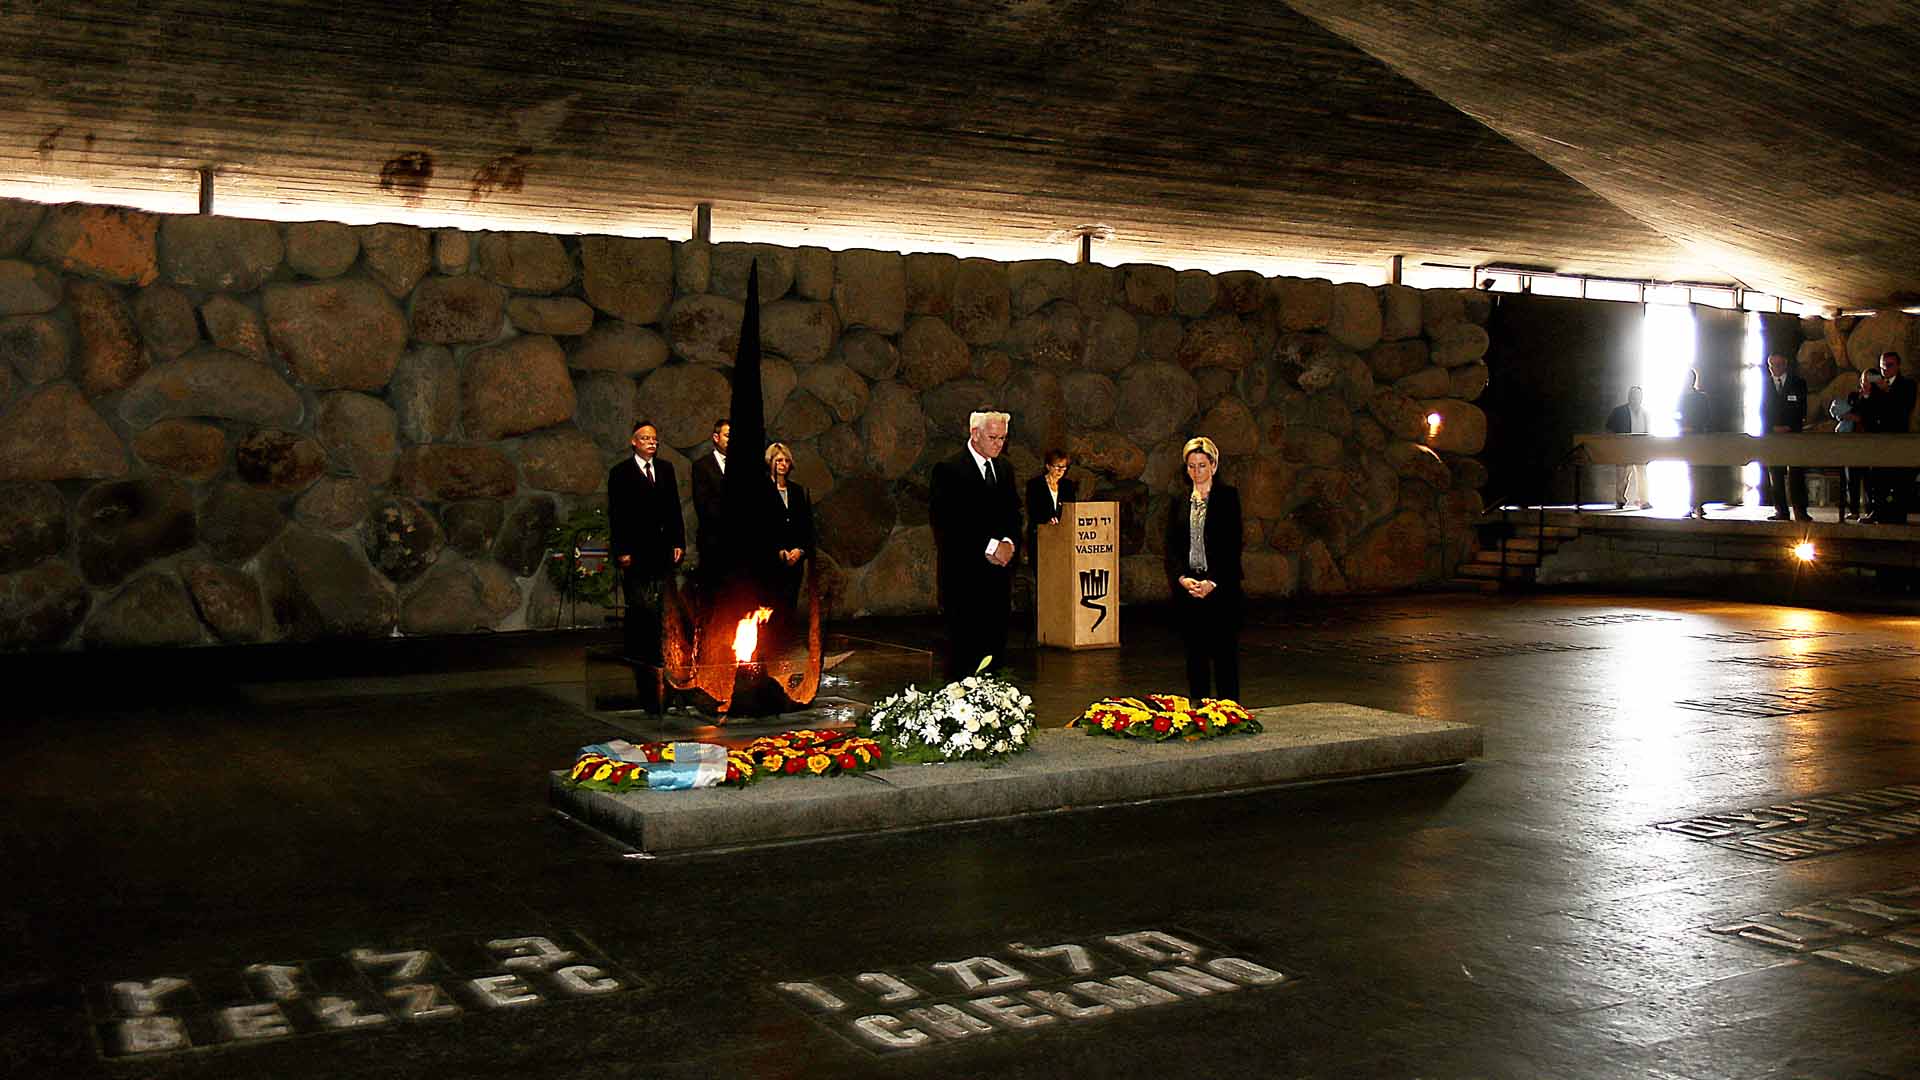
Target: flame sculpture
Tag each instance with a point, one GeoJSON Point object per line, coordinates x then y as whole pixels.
{"type": "Point", "coordinates": [747, 635]}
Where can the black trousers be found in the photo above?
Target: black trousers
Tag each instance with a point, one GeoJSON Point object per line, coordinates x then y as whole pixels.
{"type": "Point", "coordinates": [1787, 487]}
{"type": "Point", "coordinates": [1210, 630]}
{"type": "Point", "coordinates": [642, 622]}
{"type": "Point", "coordinates": [1853, 491]}
{"type": "Point", "coordinates": [977, 614]}
{"type": "Point", "coordinates": [1891, 491]}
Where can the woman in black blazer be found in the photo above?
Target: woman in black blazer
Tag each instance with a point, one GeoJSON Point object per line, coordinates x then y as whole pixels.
{"type": "Point", "coordinates": [791, 543]}
{"type": "Point", "coordinates": [1046, 494]}
{"type": "Point", "coordinates": [1205, 577]}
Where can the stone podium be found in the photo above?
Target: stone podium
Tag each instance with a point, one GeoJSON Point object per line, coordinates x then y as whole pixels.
{"type": "Point", "coordinates": [1077, 579]}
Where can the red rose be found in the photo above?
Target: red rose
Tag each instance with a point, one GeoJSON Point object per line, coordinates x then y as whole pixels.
{"type": "Point", "coordinates": [795, 764]}
{"type": "Point", "coordinates": [848, 761]}
{"type": "Point", "coordinates": [1161, 723]}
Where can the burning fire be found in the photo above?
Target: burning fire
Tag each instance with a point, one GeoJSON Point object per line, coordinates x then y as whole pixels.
{"type": "Point", "coordinates": [747, 635]}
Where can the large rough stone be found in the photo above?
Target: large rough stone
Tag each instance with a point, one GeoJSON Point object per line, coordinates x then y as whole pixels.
{"type": "Point", "coordinates": [684, 400]}
{"type": "Point", "coordinates": [455, 472]}
{"type": "Point", "coordinates": [1401, 416]}
{"type": "Point", "coordinates": [1113, 341]}
{"type": "Point", "coordinates": [1463, 427]}
{"type": "Point", "coordinates": [1109, 453]}
{"type": "Point", "coordinates": [321, 249]}
{"type": "Point", "coordinates": [1194, 293]}
{"type": "Point", "coordinates": [1214, 383]}
{"type": "Point", "coordinates": [40, 608]}
{"type": "Point", "coordinates": [36, 346]}
{"type": "Point", "coordinates": [33, 524]}
{"type": "Point", "coordinates": [335, 504]}
{"type": "Point", "coordinates": [705, 329]}
{"type": "Point", "coordinates": [855, 521]}
{"type": "Point", "coordinates": [842, 451]}
{"type": "Point", "coordinates": [1355, 321]}
{"type": "Point", "coordinates": [1401, 312]}
{"type": "Point", "coordinates": [226, 254]}
{"type": "Point", "coordinates": [1430, 381]}
{"type": "Point", "coordinates": [1231, 426]}
{"type": "Point", "coordinates": [870, 290]}
{"type": "Point", "coordinates": [212, 383]}
{"type": "Point", "coordinates": [562, 315]}
{"type": "Point", "coordinates": [629, 279]}
{"type": "Point", "coordinates": [603, 407]}
{"type": "Point", "coordinates": [1304, 303]}
{"type": "Point", "coordinates": [992, 366]}
{"type": "Point", "coordinates": [396, 256]}
{"type": "Point", "coordinates": [619, 346]}
{"type": "Point", "coordinates": [234, 327]}
{"type": "Point", "coordinates": [516, 387]}
{"type": "Point", "coordinates": [425, 394]}
{"type": "Point", "coordinates": [1240, 291]}
{"type": "Point", "coordinates": [778, 379]}
{"type": "Point", "coordinates": [53, 434]}
{"type": "Point", "coordinates": [982, 307]}
{"type": "Point", "coordinates": [732, 261]}
{"type": "Point", "coordinates": [471, 525]}
{"type": "Point", "coordinates": [803, 417]}
{"type": "Point", "coordinates": [1320, 573]}
{"type": "Point", "coordinates": [1325, 366]}
{"type": "Point", "coordinates": [528, 262]}
{"type": "Point", "coordinates": [523, 539]}
{"type": "Point", "coordinates": [1147, 289]}
{"type": "Point", "coordinates": [1837, 330]}
{"type": "Point", "coordinates": [1391, 556]}
{"type": "Point", "coordinates": [562, 460]}
{"type": "Point", "coordinates": [870, 354]}
{"type": "Point", "coordinates": [902, 578]}
{"type": "Point", "coordinates": [1391, 360]}
{"type": "Point", "coordinates": [813, 273]}
{"type": "Point", "coordinates": [452, 251]}
{"type": "Point", "coordinates": [463, 310]}
{"type": "Point", "coordinates": [401, 538]}
{"type": "Point", "coordinates": [1266, 484]}
{"type": "Point", "coordinates": [1156, 401]}
{"type": "Point", "coordinates": [1217, 341]}
{"type": "Point", "coordinates": [1468, 381]}
{"type": "Point", "coordinates": [692, 266]}
{"type": "Point", "coordinates": [123, 525]}
{"type": "Point", "coordinates": [839, 388]}
{"type": "Point", "coordinates": [1039, 410]}
{"type": "Point", "coordinates": [1160, 339]}
{"type": "Point", "coordinates": [895, 429]}
{"type": "Point", "coordinates": [800, 330]}
{"type": "Point", "coordinates": [930, 281]}
{"type": "Point", "coordinates": [1091, 399]}
{"type": "Point", "coordinates": [1467, 472]}
{"type": "Point", "coordinates": [194, 450]}
{"type": "Point", "coordinates": [239, 520]}
{"type": "Point", "coordinates": [109, 353]}
{"type": "Point", "coordinates": [228, 601]}
{"type": "Point", "coordinates": [319, 587]}
{"type": "Point", "coordinates": [151, 612]}
{"type": "Point", "coordinates": [931, 353]}
{"type": "Point", "coordinates": [1418, 462]}
{"type": "Point", "coordinates": [1440, 308]}
{"type": "Point", "coordinates": [166, 320]}
{"type": "Point", "coordinates": [281, 460]}
{"type": "Point", "coordinates": [336, 335]}
{"type": "Point", "coordinates": [1814, 362]}
{"type": "Point", "coordinates": [26, 289]}
{"type": "Point", "coordinates": [360, 435]}
{"type": "Point", "coordinates": [1034, 283]}
{"type": "Point", "coordinates": [103, 242]}
{"type": "Point", "coordinates": [18, 219]}
{"type": "Point", "coordinates": [811, 471]}
{"type": "Point", "coordinates": [456, 598]}
{"type": "Point", "coordinates": [1053, 338]}
{"type": "Point", "coordinates": [1459, 343]}
{"type": "Point", "coordinates": [1269, 574]}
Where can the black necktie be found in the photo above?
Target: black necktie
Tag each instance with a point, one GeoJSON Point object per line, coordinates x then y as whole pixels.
{"type": "Point", "coordinates": [989, 472]}
{"type": "Point", "coordinates": [648, 469]}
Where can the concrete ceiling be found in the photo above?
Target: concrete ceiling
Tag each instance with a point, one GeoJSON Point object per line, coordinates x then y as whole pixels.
{"type": "Point", "coordinates": [1620, 139]}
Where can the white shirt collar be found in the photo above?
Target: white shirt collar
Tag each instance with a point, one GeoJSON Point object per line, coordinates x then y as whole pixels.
{"type": "Point", "coordinates": [720, 459]}
{"type": "Point", "coordinates": [642, 462]}
{"type": "Point", "coordinates": [979, 463]}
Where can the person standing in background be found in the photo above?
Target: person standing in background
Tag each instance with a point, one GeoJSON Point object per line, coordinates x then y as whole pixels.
{"type": "Point", "coordinates": [647, 538]}
{"type": "Point", "coordinates": [1203, 573]}
{"type": "Point", "coordinates": [1696, 418]}
{"type": "Point", "coordinates": [975, 511]}
{"type": "Point", "coordinates": [1893, 413]}
{"type": "Point", "coordinates": [1783, 411]}
{"type": "Point", "coordinates": [1046, 493]}
{"type": "Point", "coordinates": [1631, 485]}
{"type": "Point", "coordinates": [709, 504]}
{"type": "Point", "coordinates": [791, 544]}
{"type": "Point", "coordinates": [1855, 413]}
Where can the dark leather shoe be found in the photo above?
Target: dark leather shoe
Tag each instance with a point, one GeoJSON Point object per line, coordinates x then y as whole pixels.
{"type": "Point", "coordinates": [1778, 517]}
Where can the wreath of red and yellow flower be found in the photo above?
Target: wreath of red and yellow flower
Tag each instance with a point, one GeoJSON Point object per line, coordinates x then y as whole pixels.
{"type": "Point", "coordinates": [1160, 717]}
{"type": "Point", "coordinates": [815, 753]}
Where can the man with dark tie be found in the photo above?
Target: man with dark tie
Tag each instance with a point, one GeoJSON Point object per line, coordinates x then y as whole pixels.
{"type": "Point", "coordinates": [1892, 412]}
{"type": "Point", "coordinates": [1783, 410]}
{"type": "Point", "coordinates": [647, 538]}
{"type": "Point", "coordinates": [976, 514]}
{"type": "Point", "coordinates": [709, 504]}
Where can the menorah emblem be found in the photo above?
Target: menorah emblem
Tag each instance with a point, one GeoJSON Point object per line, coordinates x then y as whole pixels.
{"type": "Point", "coordinates": [1093, 590]}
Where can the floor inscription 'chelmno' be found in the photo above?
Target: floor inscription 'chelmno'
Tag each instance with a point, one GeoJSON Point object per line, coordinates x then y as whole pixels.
{"type": "Point", "coordinates": [1807, 699]}
{"type": "Point", "coordinates": [1756, 637]}
{"type": "Point", "coordinates": [1429, 648]}
{"type": "Point", "coordinates": [1609, 619]}
{"type": "Point", "coordinates": [1818, 825]}
{"type": "Point", "coordinates": [1827, 658]}
{"type": "Point", "coordinates": [1023, 987]}
{"type": "Point", "coordinates": [1876, 932]}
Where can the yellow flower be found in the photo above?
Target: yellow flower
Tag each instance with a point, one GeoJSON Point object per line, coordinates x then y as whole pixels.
{"type": "Point", "coordinates": [603, 772]}
{"type": "Point", "coordinates": [819, 763]}
{"type": "Point", "coordinates": [771, 761]}
{"type": "Point", "coordinates": [667, 754]}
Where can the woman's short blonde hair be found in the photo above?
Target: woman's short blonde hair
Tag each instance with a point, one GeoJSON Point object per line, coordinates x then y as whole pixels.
{"type": "Point", "coordinates": [776, 450]}
{"type": "Point", "coordinates": [1204, 445]}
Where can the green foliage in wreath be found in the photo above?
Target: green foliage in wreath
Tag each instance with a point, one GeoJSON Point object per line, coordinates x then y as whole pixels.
{"type": "Point", "coordinates": [591, 581]}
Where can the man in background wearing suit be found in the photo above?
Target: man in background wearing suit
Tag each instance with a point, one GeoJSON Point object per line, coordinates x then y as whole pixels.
{"type": "Point", "coordinates": [976, 514]}
{"type": "Point", "coordinates": [1893, 412]}
{"type": "Point", "coordinates": [1783, 410]}
{"type": "Point", "coordinates": [647, 537]}
{"type": "Point", "coordinates": [709, 505]}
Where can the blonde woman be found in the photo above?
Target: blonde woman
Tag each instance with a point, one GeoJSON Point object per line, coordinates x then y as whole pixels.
{"type": "Point", "coordinates": [791, 539]}
{"type": "Point", "coordinates": [1203, 572]}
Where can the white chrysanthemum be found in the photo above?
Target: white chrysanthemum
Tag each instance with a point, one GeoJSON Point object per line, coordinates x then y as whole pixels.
{"type": "Point", "coordinates": [979, 743]}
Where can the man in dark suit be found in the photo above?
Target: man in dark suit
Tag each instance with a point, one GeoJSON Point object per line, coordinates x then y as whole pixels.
{"type": "Point", "coordinates": [1892, 412]}
{"type": "Point", "coordinates": [976, 514]}
{"type": "Point", "coordinates": [648, 537]}
{"type": "Point", "coordinates": [1783, 410]}
{"type": "Point", "coordinates": [709, 504]}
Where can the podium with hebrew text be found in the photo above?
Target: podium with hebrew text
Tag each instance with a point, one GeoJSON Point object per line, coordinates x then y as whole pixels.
{"type": "Point", "coordinates": [1077, 581]}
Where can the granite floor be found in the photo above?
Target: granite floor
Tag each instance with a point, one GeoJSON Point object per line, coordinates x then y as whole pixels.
{"type": "Point", "coordinates": [339, 862]}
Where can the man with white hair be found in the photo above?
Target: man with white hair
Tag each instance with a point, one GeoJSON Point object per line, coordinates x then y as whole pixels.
{"type": "Point", "coordinates": [975, 509]}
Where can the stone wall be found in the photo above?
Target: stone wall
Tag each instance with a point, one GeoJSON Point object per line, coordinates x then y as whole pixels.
{"type": "Point", "coordinates": [1835, 351]}
{"type": "Point", "coordinates": [225, 430]}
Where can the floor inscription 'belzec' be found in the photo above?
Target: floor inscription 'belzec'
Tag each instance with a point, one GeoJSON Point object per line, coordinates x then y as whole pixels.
{"type": "Point", "coordinates": [1827, 658]}
{"type": "Point", "coordinates": [1816, 825]}
{"type": "Point", "coordinates": [1023, 986]}
{"type": "Point", "coordinates": [1756, 637]}
{"type": "Point", "coordinates": [1876, 932]}
{"type": "Point", "coordinates": [1807, 699]}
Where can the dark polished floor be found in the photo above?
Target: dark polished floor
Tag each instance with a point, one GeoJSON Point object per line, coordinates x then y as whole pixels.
{"type": "Point", "coordinates": [245, 821]}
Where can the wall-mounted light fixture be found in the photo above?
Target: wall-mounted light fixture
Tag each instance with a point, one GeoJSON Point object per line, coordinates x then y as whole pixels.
{"type": "Point", "coordinates": [1433, 425]}
{"type": "Point", "coordinates": [1805, 552]}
